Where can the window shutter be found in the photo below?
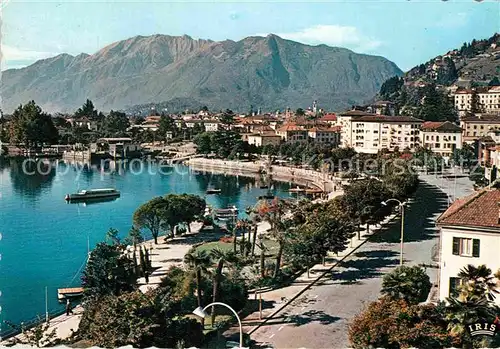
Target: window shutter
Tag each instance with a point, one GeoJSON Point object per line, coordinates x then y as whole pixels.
{"type": "Point", "coordinates": [456, 246]}
{"type": "Point", "coordinates": [475, 248]}
{"type": "Point", "coordinates": [454, 282]}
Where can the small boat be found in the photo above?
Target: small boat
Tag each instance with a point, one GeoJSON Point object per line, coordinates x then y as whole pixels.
{"type": "Point", "coordinates": [264, 186]}
{"type": "Point", "coordinates": [213, 191]}
{"type": "Point", "coordinates": [225, 214]}
{"type": "Point", "coordinates": [314, 191]}
{"type": "Point", "coordinates": [92, 194]}
{"type": "Point", "coordinates": [68, 293]}
{"type": "Point", "coordinates": [296, 190]}
{"type": "Point", "coordinates": [266, 197]}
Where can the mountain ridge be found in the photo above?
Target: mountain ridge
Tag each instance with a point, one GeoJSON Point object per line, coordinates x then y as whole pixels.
{"type": "Point", "coordinates": [267, 72]}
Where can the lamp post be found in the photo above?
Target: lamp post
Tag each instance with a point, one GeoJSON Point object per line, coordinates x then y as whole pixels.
{"type": "Point", "coordinates": [201, 313]}
{"type": "Point", "coordinates": [402, 207]}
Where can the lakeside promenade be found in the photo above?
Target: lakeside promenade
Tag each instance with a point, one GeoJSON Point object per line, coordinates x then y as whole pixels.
{"type": "Point", "coordinates": [171, 253]}
{"type": "Point", "coordinates": [329, 184]}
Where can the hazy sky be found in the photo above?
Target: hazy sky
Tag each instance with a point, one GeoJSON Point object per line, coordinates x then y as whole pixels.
{"type": "Point", "coordinates": [407, 32]}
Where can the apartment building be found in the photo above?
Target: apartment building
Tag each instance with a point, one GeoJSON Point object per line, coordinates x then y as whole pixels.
{"type": "Point", "coordinates": [488, 100]}
{"type": "Point", "coordinates": [469, 234]}
{"type": "Point", "coordinates": [478, 126]}
{"type": "Point", "coordinates": [292, 133]}
{"type": "Point", "coordinates": [263, 139]}
{"type": "Point", "coordinates": [441, 137]}
{"type": "Point", "coordinates": [370, 133]}
{"type": "Point", "coordinates": [325, 135]}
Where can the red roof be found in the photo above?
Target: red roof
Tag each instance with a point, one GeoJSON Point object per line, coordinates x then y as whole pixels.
{"type": "Point", "coordinates": [480, 209]}
{"type": "Point", "coordinates": [324, 129]}
{"type": "Point", "coordinates": [329, 117]}
{"type": "Point", "coordinates": [443, 126]}
{"type": "Point", "coordinates": [290, 127]}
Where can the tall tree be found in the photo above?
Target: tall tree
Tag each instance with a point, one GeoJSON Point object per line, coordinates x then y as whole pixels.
{"type": "Point", "coordinates": [87, 110]}
{"type": "Point", "coordinates": [221, 257]}
{"type": "Point", "coordinates": [108, 271]}
{"type": "Point", "coordinates": [193, 208]}
{"type": "Point", "coordinates": [198, 262]}
{"type": "Point", "coordinates": [115, 123]}
{"type": "Point", "coordinates": [151, 216]}
{"type": "Point", "coordinates": [227, 118]}
{"type": "Point", "coordinates": [32, 127]}
{"type": "Point", "coordinates": [166, 125]}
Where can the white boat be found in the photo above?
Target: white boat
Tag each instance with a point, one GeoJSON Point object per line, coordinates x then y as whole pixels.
{"type": "Point", "coordinates": [93, 194]}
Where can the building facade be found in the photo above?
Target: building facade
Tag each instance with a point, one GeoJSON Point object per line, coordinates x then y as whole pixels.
{"type": "Point", "coordinates": [370, 133]}
{"type": "Point", "coordinates": [325, 135]}
{"type": "Point", "coordinates": [477, 126]}
{"type": "Point", "coordinates": [488, 100]}
{"type": "Point", "coordinates": [441, 137]}
{"type": "Point", "coordinates": [469, 234]}
{"type": "Point", "coordinates": [263, 139]}
{"type": "Point", "coordinates": [292, 133]}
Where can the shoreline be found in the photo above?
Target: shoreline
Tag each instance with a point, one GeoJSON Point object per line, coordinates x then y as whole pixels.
{"type": "Point", "coordinates": [329, 184]}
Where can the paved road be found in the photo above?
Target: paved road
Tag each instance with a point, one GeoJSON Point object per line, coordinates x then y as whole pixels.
{"type": "Point", "coordinates": [320, 318]}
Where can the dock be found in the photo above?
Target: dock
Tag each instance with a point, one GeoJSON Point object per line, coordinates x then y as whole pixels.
{"type": "Point", "coordinates": [72, 292]}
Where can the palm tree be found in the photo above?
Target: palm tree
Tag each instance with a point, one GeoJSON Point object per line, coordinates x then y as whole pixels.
{"type": "Point", "coordinates": [198, 262]}
{"type": "Point", "coordinates": [273, 213]}
{"type": "Point", "coordinates": [478, 281]}
{"type": "Point", "coordinates": [221, 257]}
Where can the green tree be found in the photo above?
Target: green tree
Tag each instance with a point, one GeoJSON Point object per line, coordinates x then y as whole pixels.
{"type": "Point", "coordinates": [221, 257]}
{"type": "Point", "coordinates": [166, 125]}
{"type": "Point", "coordinates": [475, 104]}
{"type": "Point", "coordinates": [300, 112]}
{"type": "Point", "coordinates": [151, 216]}
{"type": "Point", "coordinates": [203, 143]}
{"type": "Point", "coordinates": [227, 118]}
{"type": "Point", "coordinates": [193, 208]}
{"type": "Point", "coordinates": [396, 324]}
{"type": "Point", "coordinates": [473, 303]}
{"type": "Point", "coordinates": [108, 271]}
{"type": "Point", "coordinates": [436, 106]}
{"type": "Point", "coordinates": [137, 319]}
{"type": "Point", "coordinates": [466, 156]}
{"type": "Point", "coordinates": [494, 82]}
{"type": "Point", "coordinates": [198, 262]}
{"type": "Point", "coordinates": [87, 110]}
{"type": "Point", "coordinates": [115, 123]}
{"type": "Point", "coordinates": [32, 127]}
{"type": "Point", "coordinates": [412, 284]}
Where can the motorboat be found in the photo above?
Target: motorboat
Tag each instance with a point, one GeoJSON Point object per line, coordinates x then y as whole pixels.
{"type": "Point", "coordinates": [93, 194]}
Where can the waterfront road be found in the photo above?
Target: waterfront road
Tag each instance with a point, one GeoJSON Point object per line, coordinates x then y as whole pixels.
{"type": "Point", "coordinates": [320, 317]}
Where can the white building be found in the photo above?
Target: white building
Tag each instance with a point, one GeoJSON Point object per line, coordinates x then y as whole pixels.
{"type": "Point", "coordinates": [370, 133]}
{"type": "Point", "coordinates": [292, 133]}
{"type": "Point", "coordinates": [325, 135]}
{"type": "Point", "coordinates": [470, 234]}
{"type": "Point", "coordinates": [441, 137]}
{"type": "Point", "coordinates": [263, 139]}
{"type": "Point", "coordinates": [488, 100]}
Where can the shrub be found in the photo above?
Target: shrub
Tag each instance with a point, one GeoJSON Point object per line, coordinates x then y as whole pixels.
{"type": "Point", "coordinates": [411, 284]}
{"type": "Point", "coordinates": [396, 324]}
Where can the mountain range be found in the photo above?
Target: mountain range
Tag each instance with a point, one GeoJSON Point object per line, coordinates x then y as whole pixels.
{"type": "Point", "coordinates": [264, 72]}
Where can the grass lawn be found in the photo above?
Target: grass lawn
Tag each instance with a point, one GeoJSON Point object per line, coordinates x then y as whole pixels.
{"type": "Point", "coordinates": [271, 245]}
{"type": "Point", "coordinates": [209, 246]}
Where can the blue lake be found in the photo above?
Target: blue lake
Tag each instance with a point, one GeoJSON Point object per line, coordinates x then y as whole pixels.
{"type": "Point", "coordinates": [44, 239]}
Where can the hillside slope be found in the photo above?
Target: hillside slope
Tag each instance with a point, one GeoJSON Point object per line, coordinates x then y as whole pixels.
{"type": "Point", "coordinates": [270, 73]}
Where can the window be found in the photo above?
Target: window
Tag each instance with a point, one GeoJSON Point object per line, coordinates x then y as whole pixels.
{"type": "Point", "coordinates": [454, 284]}
{"type": "Point", "coordinates": [466, 247]}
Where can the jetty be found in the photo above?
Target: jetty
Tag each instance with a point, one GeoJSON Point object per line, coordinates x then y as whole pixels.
{"type": "Point", "coordinates": [68, 293]}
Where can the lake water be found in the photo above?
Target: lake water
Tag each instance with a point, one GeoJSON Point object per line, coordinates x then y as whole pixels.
{"type": "Point", "coordinates": [44, 239]}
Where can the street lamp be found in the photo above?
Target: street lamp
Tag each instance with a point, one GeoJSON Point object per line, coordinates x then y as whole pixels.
{"type": "Point", "coordinates": [201, 313]}
{"type": "Point", "coordinates": [402, 207]}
